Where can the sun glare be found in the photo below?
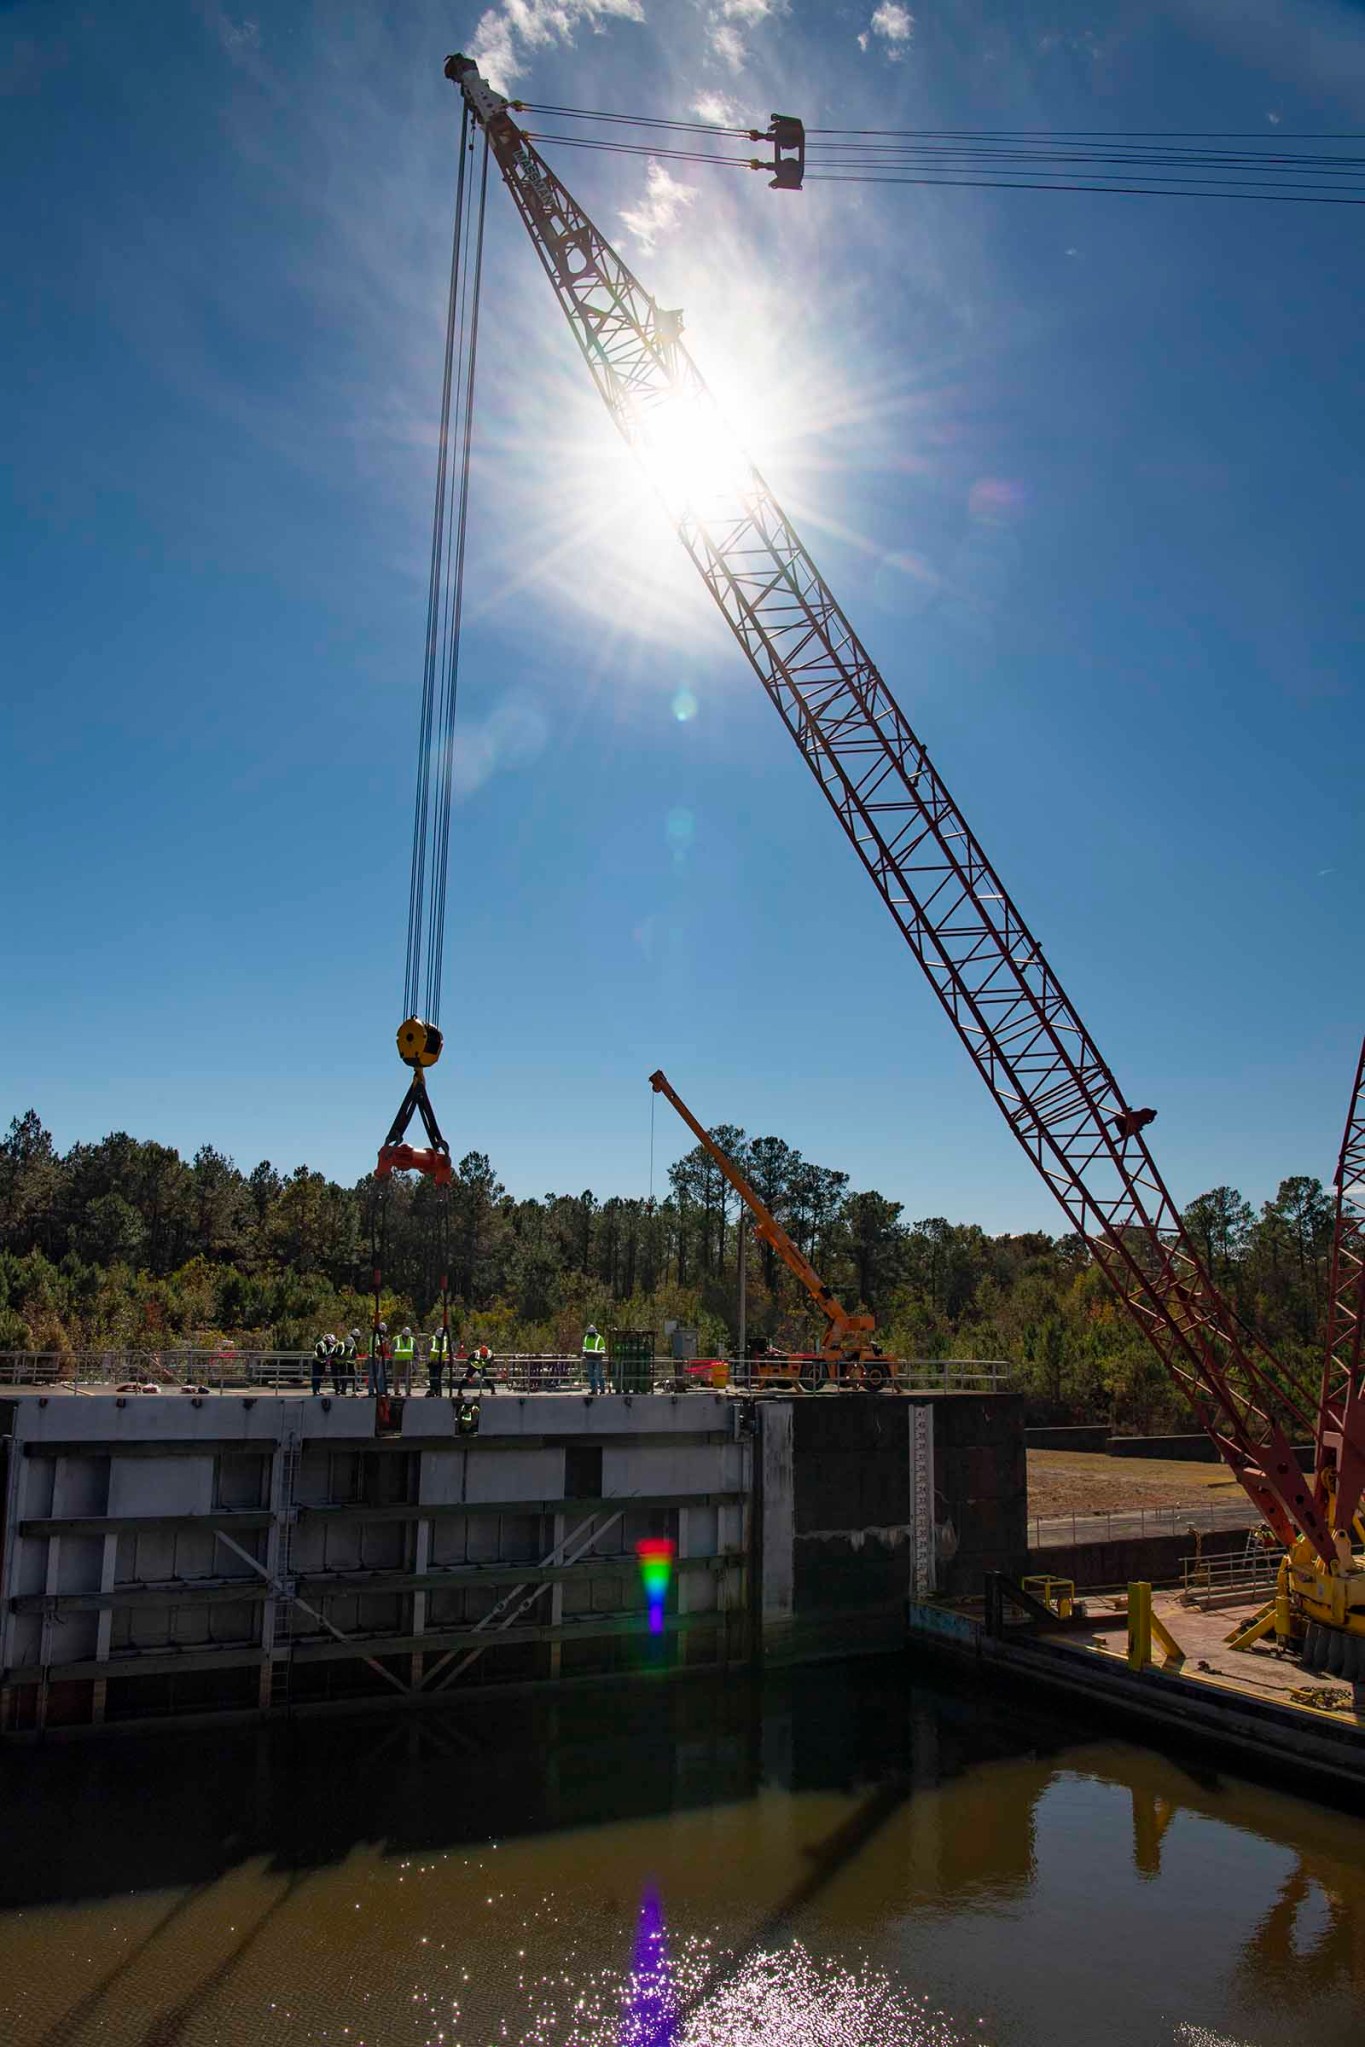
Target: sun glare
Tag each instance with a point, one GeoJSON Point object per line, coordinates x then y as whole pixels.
{"type": "Point", "coordinates": [691, 456]}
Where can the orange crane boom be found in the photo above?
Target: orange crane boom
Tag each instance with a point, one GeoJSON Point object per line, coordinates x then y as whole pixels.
{"type": "Point", "coordinates": [847, 1338]}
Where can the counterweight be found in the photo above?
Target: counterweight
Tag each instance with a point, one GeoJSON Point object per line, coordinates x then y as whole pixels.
{"type": "Point", "coordinates": [1027, 1041]}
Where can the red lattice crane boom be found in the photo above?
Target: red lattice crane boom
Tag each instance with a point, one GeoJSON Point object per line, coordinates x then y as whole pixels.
{"type": "Point", "coordinates": [1341, 1413]}
{"type": "Point", "coordinates": [1025, 1038]}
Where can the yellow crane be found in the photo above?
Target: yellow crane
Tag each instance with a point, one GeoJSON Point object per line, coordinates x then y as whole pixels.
{"type": "Point", "coordinates": [849, 1353]}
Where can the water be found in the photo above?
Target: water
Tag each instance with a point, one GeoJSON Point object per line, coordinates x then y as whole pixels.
{"type": "Point", "coordinates": [846, 1856]}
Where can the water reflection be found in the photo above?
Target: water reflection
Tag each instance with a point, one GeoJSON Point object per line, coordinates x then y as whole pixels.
{"type": "Point", "coordinates": [844, 1855]}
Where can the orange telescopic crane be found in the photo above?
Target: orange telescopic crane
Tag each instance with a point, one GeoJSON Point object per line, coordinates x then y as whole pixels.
{"type": "Point", "coordinates": [848, 1350]}
{"type": "Point", "coordinates": [1058, 1095]}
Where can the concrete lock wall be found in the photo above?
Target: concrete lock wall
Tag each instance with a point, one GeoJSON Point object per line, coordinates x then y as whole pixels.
{"type": "Point", "coordinates": [175, 1556]}
{"type": "Point", "coordinates": [864, 1501]}
{"type": "Point", "coordinates": [1187, 1449]}
{"type": "Point", "coordinates": [1115, 1563]}
{"type": "Point", "coordinates": [179, 1556]}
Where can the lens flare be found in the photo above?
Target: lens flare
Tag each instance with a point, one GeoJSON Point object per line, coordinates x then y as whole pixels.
{"type": "Point", "coordinates": [650, 2014]}
{"type": "Point", "coordinates": [680, 828]}
{"type": "Point", "coordinates": [655, 1555]}
{"type": "Point", "coordinates": [684, 706]}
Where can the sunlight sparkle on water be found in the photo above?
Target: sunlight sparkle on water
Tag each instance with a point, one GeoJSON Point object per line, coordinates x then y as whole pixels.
{"type": "Point", "coordinates": [766, 1998]}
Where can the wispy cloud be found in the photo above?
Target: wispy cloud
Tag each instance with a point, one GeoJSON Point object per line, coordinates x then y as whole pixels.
{"type": "Point", "coordinates": [508, 34]}
{"type": "Point", "coordinates": [718, 108]}
{"type": "Point", "coordinates": [728, 21]}
{"type": "Point", "coordinates": [241, 39]}
{"type": "Point", "coordinates": [893, 26]}
{"type": "Point", "coordinates": [510, 737]}
{"type": "Point", "coordinates": [665, 201]}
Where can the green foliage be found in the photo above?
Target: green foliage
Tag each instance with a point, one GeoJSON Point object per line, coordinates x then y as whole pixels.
{"type": "Point", "coordinates": [123, 1244]}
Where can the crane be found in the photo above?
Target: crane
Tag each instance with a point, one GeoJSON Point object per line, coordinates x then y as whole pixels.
{"type": "Point", "coordinates": [1340, 1444]}
{"type": "Point", "coordinates": [848, 1351]}
{"type": "Point", "coordinates": [1058, 1095]}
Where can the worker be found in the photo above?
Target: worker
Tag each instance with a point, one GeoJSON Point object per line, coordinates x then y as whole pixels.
{"type": "Point", "coordinates": [438, 1356]}
{"type": "Point", "coordinates": [322, 1351]}
{"type": "Point", "coordinates": [594, 1357]}
{"type": "Point", "coordinates": [402, 1358]}
{"type": "Point", "coordinates": [482, 1361]}
{"type": "Point", "coordinates": [377, 1362]}
{"type": "Point", "coordinates": [343, 1362]}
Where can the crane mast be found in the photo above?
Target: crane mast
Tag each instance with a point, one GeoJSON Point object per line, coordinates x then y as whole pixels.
{"type": "Point", "coordinates": [1055, 1090]}
{"type": "Point", "coordinates": [1341, 1411]}
{"type": "Point", "coordinates": [848, 1338]}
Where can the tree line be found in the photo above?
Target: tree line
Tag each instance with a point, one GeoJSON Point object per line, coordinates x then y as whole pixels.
{"type": "Point", "coordinates": [123, 1244]}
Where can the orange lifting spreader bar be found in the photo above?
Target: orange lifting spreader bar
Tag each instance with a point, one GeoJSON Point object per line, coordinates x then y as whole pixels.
{"type": "Point", "coordinates": [405, 1158]}
{"type": "Point", "coordinates": [395, 1154]}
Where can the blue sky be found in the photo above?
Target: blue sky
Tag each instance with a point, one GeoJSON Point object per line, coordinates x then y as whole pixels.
{"type": "Point", "coordinates": [1084, 470]}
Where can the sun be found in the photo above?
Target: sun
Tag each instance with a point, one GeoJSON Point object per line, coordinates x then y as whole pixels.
{"type": "Point", "coordinates": [691, 455]}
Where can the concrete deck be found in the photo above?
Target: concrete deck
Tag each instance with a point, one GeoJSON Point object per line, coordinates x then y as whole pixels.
{"type": "Point", "coordinates": [1236, 1706]}
{"type": "Point", "coordinates": [1261, 1672]}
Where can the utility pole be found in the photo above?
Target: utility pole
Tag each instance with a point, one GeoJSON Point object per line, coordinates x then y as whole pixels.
{"type": "Point", "coordinates": [743, 1288]}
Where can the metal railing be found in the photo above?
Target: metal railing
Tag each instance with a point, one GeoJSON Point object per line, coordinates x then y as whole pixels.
{"type": "Point", "coordinates": [1122, 1524]}
{"type": "Point", "coordinates": [1226, 1580]}
{"type": "Point", "coordinates": [222, 1370]}
{"type": "Point", "coordinates": [229, 1369]}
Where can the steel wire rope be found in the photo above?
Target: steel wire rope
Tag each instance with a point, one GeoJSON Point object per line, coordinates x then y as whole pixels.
{"type": "Point", "coordinates": [1063, 146]}
{"type": "Point", "coordinates": [743, 163]}
{"type": "Point", "coordinates": [754, 132]}
{"type": "Point", "coordinates": [1279, 175]}
{"type": "Point", "coordinates": [1178, 162]}
{"type": "Point", "coordinates": [1159, 176]}
{"type": "Point", "coordinates": [421, 806]}
{"type": "Point", "coordinates": [451, 684]}
{"type": "Point", "coordinates": [1129, 191]}
{"type": "Point", "coordinates": [634, 120]}
{"type": "Point", "coordinates": [1113, 134]}
{"type": "Point", "coordinates": [879, 174]}
{"type": "Point", "coordinates": [443, 714]}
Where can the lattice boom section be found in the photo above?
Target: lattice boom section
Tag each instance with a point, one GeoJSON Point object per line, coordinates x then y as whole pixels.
{"type": "Point", "coordinates": [1341, 1423]}
{"type": "Point", "coordinates": [1027, 1041]}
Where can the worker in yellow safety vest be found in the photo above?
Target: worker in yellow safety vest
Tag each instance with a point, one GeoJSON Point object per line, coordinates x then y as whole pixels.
{"type": "Point", "coordinates": [402, 1359]}
{"type": "Point", "coordinates": [438, 1357]}
{"type": "Point", "coordinates": [594, 1357]}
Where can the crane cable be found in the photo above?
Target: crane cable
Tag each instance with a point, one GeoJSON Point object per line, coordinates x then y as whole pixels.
{"type": "Point", "coordinates": [430, 869]}
{"type": "Point", "coordinates": [1147, 163]}
{"type": "Point", "coordinates": [429, 878]}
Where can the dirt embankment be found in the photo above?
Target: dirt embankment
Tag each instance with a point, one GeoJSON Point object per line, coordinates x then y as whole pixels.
{"type": "Point", "coordinates": [1080, 1482]}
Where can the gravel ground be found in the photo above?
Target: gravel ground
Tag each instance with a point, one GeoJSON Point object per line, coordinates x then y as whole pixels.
{"type": "Point", "coordinates": [1078, 1481]}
